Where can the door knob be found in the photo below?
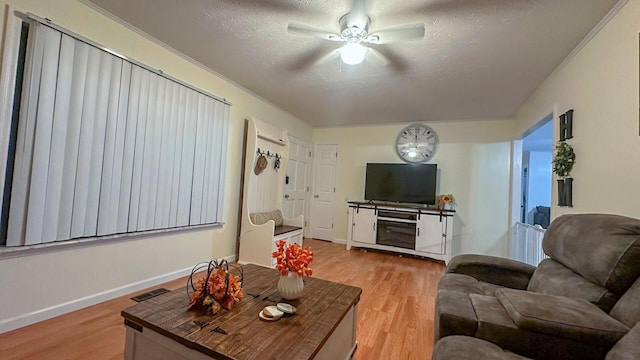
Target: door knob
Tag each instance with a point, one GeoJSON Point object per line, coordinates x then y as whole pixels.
{"type": "Point", "coordinates": [286, 196]}
{"type": "Point", "coordinates": [316, 196]}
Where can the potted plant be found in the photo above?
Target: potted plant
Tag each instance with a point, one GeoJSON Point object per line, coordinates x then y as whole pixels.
{"type": "Point", "coordinates": [563, 160]}
{"type": "Point", "coordinates": [292, 263]}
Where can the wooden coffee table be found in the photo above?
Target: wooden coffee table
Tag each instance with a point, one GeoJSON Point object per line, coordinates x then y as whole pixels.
{"type": "Point", "coordinates": [324, 327]}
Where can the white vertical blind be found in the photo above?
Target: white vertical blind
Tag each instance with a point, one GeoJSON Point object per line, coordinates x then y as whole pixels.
{"type": "Point", "coordinates": [219, 162]}
{"type": "Point", "coordinates": [24, 146]}
{"type": "Point", "coordinates": [204, 198]}
{"type": "Point", "coordinates": [70, 160]}
{"type": "Point", "coordinates": [188, 153]}
{"type": "Point", "coordinates": [113, 164]}
{"type": "Point", "coordinates": [42, 141]}
{"type": "Point", "coordinates": [167, 146]}
{"type": "Point", "coordinates": [177, 159]}
{"type": "Point", "coordinates": [61, 130]}
{"type": "Point", "coordinates": [105, 146]}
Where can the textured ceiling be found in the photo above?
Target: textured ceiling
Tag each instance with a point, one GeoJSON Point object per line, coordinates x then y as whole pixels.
{"type": "Point", "coordinates": [479, 59]}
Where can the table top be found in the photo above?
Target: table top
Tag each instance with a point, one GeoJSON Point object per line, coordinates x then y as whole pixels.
{"type": "Point", "coordinates": [405, 206]}
{"type": "Point", "coordinates": [321, 307]}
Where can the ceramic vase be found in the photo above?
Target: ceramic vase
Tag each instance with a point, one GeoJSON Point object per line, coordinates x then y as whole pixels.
{"type": "Point", "coordinates": [290, 286]}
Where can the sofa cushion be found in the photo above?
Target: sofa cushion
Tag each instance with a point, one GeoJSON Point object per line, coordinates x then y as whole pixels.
{"type": "Point", "coordinates": [627, 309]}
{"type": "Point", "coordinates": [263, 217]}
{"type": "Point", "coordinates": [561, 316]}
{"type": "Point", "coordinates": [494, 323]}
{"type": "Point", "coordinates": [468, 348]}
{"type": "Point", "coordinates": [604, 249]}
{"type": "Point", "coordinates": [454, 315]}
{"type": "Point", "coordinates": [553, 278]}
{"type": "Point", "coordinates": [628, 348]}
{"type": "Point", "coordinates": [497, 326]}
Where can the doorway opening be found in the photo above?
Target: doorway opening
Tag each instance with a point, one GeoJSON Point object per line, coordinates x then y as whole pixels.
{"type": "Point", "coordinates": [537, 153]}
{"type": "Point", "coordinates": [531, 192]}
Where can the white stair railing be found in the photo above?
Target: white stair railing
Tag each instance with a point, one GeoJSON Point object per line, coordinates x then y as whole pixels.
{"type": "Point", "coordinates": [526, 243]}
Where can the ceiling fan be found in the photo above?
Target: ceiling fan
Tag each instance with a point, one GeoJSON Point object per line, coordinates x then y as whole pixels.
{"type": "Point", "coordinates": [354, 33]}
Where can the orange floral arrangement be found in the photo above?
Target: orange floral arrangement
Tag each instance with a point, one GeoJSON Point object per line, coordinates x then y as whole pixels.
{"type": "Point", "coordinates": [293, 258]}
{"type": "Point", "coordinates": [446, 198]}
{"type": "Point", "coordinates": [217, 289]}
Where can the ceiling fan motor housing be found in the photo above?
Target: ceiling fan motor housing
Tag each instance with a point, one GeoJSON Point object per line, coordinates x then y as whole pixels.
{"type": "Point", "coordinates": [352, 32]}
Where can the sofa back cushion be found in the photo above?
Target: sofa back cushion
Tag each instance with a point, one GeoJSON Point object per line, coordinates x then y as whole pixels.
{"type": "Point", "coordinates": [262, 217]}
{"type": "Point", "coordinates": [604, 249]}
{"type": "Point", "coordinates": [553, 278]}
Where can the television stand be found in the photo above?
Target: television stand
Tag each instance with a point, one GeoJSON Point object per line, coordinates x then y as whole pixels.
{"type": "Point", "coordinates": [405, 228]}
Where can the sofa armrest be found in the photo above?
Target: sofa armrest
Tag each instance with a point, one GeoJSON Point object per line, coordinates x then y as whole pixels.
{"type": "Point", "coordinates": [499, 271]}
{"type": "Point", "coordinates": [570, 318]}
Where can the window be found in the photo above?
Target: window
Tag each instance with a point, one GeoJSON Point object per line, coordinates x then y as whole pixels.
{"type": "Point", "coordinates": [103, 145]}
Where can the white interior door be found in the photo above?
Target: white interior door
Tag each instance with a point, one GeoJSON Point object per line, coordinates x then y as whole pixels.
{"type": "Point", "coordinates": [324, 188]}
{"type": "Point", "coordinates": [296, 184]}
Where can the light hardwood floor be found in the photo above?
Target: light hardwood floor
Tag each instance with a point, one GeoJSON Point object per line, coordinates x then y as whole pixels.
{"type": "Point", "coordinates": [395, 313]}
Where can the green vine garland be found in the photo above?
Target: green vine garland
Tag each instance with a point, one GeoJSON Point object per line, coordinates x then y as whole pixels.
{"type": "Point", "coordinates": [563, 159]}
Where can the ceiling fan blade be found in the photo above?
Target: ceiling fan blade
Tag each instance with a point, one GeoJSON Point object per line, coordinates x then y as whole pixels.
{"type": "Point", "coordinates": [331, 55]}
{"type": "Point", "coordinates": [377, 58]}
{"type": "Point", "coordinates": [392, 59]}
{"type": "Point", "coordinates": [358, 14]}
{"type": "Point", "coordinates": [307, 31]}
{"type": "Point", "coordinates": [311, 58]}
{"type": "Point", "coordinates": [404, 33]}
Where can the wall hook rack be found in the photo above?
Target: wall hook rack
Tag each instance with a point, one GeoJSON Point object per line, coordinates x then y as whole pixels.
{"type": "Point", "coordinates": [269, 154]}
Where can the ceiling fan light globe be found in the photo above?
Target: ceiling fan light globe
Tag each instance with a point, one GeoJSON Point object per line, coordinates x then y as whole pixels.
{"type": "Point", "coordinates": [352, 53]}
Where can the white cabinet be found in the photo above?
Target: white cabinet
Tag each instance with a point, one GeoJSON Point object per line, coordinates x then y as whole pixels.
{"type": "Point", "coordinates": [363, 222]}
{"type": "Point", "coordinates": [405, 229]}
{"type": "Point", "coordinates": [431, 232]}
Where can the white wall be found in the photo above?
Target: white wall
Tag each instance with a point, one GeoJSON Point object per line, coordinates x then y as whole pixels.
{"type": "Point", "coordinates": [601, 84]}
{"type": "Point", "coordinates": [473, 164]}
{"type": "Point", "coordinates": [36, 285]}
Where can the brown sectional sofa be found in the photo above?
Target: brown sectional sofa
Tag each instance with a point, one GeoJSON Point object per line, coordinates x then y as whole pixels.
{"type": "Point", "coordinates": [468, 348]}
{"type": "Point", "coordinates": [577, 304]}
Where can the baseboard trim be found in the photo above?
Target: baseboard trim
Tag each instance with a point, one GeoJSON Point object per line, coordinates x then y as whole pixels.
{"type": "Point", "coordinates": [19, 321]}
{"type": "Point", "coordinates": [340, 241]}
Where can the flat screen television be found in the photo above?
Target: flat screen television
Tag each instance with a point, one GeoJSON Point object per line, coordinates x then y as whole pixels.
{"type": "Point", "coordinates": [402, 183]}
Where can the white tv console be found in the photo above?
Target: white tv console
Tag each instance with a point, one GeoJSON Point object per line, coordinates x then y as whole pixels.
{"type": "Point", "coordinates": [408, 229]}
